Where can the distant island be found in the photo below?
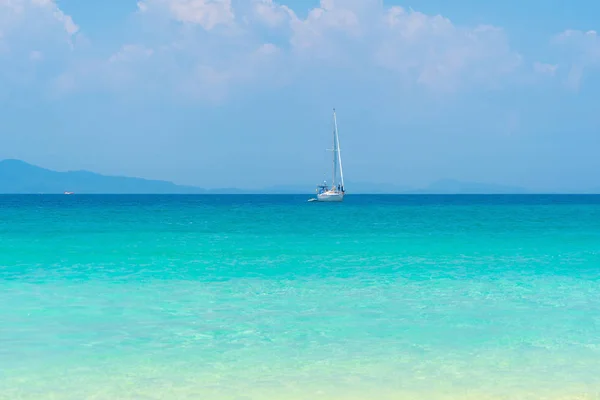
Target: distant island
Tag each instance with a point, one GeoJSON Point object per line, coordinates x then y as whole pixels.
{"type": "Point", "coordinates": [19, 177]}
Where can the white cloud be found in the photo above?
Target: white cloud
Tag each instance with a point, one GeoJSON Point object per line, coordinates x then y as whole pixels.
{"type": "Point", "coordinates": [206, 13]}
{"type": "Point", "coordinates": [426, 49]}
{"type": "Point", "coordinates": [582, 49]}
{"type": "Point", "coordinates": [130, 52]}
{"type": "Point", "coordinates": [271, 14]}
{"type": "Point", "coordinates": [15, 14]}
{"type": "Point", "coordinates": [172, 70]}
{"type": "Point", "coordinates": [32, 33]}
{"type": "Point", "coordinates": [120, 71]}
{"type": "Point", "coordinates": [32, 30]}
{"type": "Point", "coordinates": [267, 49]}
{"type": "Point", "coordinates": [545, 69]}
{"type": "Point", "coordinates": [329, 17]}
{"type": "Point", "coordinates": [441, 55]}
{"type": "Point", "coordinates": [67, 22]}
{"type": "Point", "coordinates": [214, 47]}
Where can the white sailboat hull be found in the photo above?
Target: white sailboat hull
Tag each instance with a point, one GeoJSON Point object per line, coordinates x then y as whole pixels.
{"type": "Point", "coordinates": [330, 197]}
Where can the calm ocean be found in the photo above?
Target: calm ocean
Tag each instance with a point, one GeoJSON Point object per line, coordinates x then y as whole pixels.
{"type": "Point", "coordinates": [272, 297]}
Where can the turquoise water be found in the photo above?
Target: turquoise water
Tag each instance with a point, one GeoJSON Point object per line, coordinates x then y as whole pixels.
{"type": "Point", "coordinates": [271, 297]}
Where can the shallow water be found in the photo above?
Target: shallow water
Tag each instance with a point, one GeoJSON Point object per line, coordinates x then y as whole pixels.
{"type": "Point", "coordinates": [271, 297]}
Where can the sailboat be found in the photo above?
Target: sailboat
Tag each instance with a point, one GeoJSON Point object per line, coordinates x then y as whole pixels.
{"type": "Point", "coordinates": [336, 191]}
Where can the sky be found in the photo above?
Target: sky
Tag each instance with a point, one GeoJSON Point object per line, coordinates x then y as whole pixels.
{"type": "Point", "coordinates": [239, 93]}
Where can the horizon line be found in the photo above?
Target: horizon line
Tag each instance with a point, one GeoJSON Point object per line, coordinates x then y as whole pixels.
{"type": "Point", "coordinates": [306, 194]}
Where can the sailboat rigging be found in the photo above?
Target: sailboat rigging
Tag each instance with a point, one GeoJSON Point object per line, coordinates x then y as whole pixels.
{"type": "Point", "coordinates": [335, 192]}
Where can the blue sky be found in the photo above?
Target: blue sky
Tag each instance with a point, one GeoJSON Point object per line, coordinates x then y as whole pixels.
{"type": "Point", "coordinates": [221, 93]}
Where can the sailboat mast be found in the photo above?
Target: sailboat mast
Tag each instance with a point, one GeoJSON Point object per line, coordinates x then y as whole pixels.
{"type": "Point", "coordinates": [339, 150]}
{"type": "Point", "coordinates": [334, 152]}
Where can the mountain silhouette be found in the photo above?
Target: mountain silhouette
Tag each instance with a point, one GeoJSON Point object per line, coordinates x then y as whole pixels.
{"type": "Point", "coordinates": [19, 177]}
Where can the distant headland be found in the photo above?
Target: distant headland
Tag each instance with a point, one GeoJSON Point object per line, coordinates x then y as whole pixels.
{"type": "Point", "coordinates": [20, 177]}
